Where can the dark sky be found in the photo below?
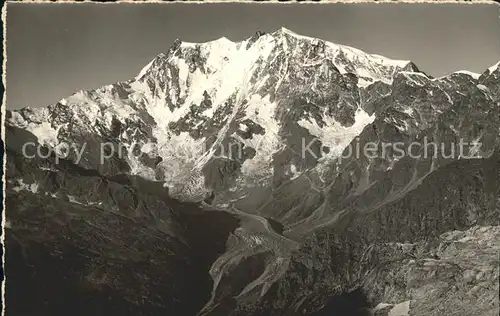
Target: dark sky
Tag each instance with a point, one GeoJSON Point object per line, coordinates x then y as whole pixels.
{"type": "Point", "coordinates": [54, 50]}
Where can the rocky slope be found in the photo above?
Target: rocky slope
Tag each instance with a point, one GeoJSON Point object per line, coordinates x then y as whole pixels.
{"type": "Point", "coordinates": [188, 189]}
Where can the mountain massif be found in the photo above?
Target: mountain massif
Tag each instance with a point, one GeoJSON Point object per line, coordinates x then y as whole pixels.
{"type": "Point", "coordinates": [221, 180]}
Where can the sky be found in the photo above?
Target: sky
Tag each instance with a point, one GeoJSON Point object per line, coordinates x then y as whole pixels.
{"type": "Point", "coordinates": [56, 49]}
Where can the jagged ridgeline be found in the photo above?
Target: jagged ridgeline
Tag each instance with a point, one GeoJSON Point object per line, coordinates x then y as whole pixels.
{"type": "Point", "coordinates": [220, 181]}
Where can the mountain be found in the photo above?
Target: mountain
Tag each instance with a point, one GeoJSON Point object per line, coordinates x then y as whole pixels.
{"type": "Point", "coordinates": [224, 180]}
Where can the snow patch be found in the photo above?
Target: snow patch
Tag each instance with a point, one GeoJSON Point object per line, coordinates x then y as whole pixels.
{"type": "Point", "coordinates": [470, 73]}
{"type": "Point", "coordinates": [44, 132]}
{"type": "Point", "coordinates": [183, 76]}
{"type": "Point", "coordinates": [401, 309]}
{"type": "Point", "coordinates": [336, 136]}
{"type": "Point", "coordinates": [494, 67]}
{"type": "Point", "coordinates": [483, 87]}
{"type": "Point", "coordinates": [294, 171]}
{"type": "Point", "coordinates": [72, 199]}
{"type": "Point", "coordinates": [21, 186]}
{"type": "Point", "coordinates": [144, 70]}
{"type": "Point", "coordinates": [261, 111]}
{"type": "Point", "coordinates": [180, 154]}
{"type": "Point", "coordinates": [412, 77]}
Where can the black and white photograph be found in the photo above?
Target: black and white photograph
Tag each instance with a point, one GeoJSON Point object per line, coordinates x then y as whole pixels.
{"type": "Point", "coordinates": [251, 159]}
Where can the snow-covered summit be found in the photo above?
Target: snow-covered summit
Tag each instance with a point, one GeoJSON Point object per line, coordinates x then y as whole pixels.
{"type": "Point", "coordinates": [198, 97]}
{"type": "Point", "coordinates": [494, 67]}
{"type": "Point", "coordinates": [222, 53]}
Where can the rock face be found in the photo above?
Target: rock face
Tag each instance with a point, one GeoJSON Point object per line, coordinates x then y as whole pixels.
{"type": "Point", "coordinates": [232, 179]}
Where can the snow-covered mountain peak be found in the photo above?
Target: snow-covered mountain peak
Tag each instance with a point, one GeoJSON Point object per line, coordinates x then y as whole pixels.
{"type": "Point", "coordinates": [256, 93]}
{"type": "Point", "coordinates": [199, 93]}
{"type": "Point", "coordinates": [270, 49]}
{"type": "Point", "coordinates": [300, 155]}
{"type": "Point", "coordinates": [494, 68]}
{"type": "Point", "coordinates": [469, 73]}
{"type": "Point", "coordinates": [283, 31]}
{"type": "Point", "coordinates": [351, 52]}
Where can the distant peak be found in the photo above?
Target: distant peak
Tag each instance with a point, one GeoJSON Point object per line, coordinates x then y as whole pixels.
{"type": "Point", "coordinates": [285, 30]}
{"type": "Point", "coordinates": [469, 73]}
{"type": "Point", "coordinates": [494, 67]}
{"type": "Point", "coordinates": [220, 40]}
